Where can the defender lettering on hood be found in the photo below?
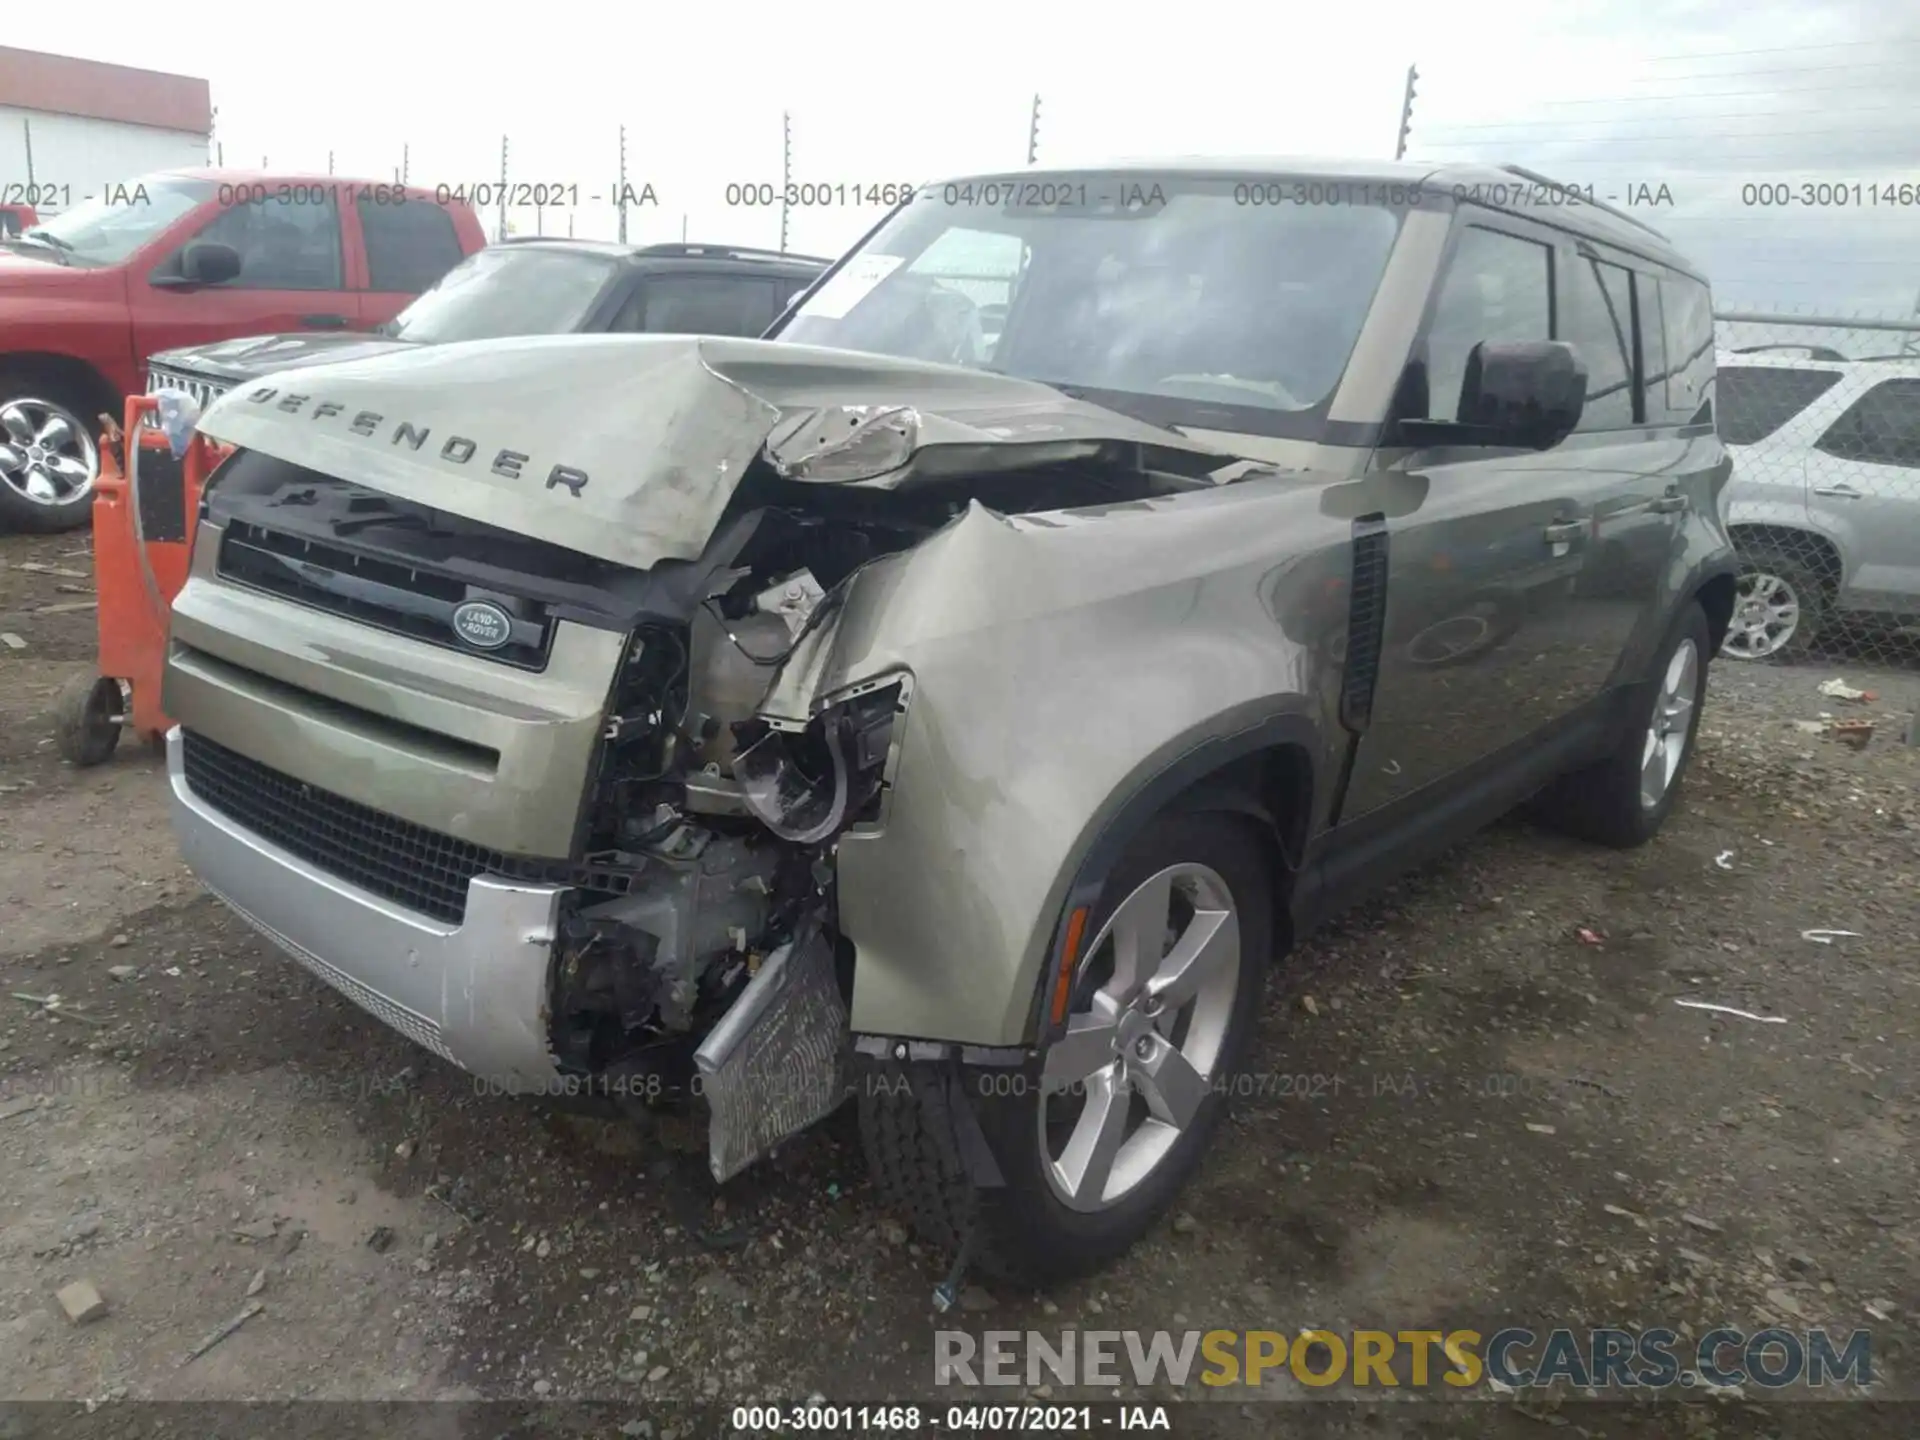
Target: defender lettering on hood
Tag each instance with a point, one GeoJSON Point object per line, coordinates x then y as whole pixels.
{"type": "Point", "coordinates": [455, 450]}
{"type": "Point", "coordinates": [667, 426]}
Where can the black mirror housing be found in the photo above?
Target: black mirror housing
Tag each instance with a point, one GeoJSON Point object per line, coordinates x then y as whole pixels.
{"type": "Point", "coordinates": [1531, 391]}
{"type": "Point", "coordinates": [208, 262]}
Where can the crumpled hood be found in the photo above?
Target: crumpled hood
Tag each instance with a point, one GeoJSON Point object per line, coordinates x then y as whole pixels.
{"type": "Point", "coordinates": [628, 447]}
{"type": "Point", "coordinates": [256, 355]}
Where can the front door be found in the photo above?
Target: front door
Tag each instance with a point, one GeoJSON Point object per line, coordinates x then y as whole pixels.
{"type": "Point", "coordinates": [1481, 577]}
{"type": "Point", "coordinates": [1864, 475]}
{"type": "Point", "coordinates": [292, 277]}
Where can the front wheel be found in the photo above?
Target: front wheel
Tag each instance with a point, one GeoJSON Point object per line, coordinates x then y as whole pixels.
{"type": "Point", "coordinates": [48, 457]}
{"type": "Point", "coordinates": [1097, 1135]}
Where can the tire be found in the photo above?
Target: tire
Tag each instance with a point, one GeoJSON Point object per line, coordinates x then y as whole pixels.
{"type": "Point", "coordinates": [1767, 571]}
{"type": "Point", "coordinates": [1027, 1230]}
{"type": "Point", "coordinates": [87, 719]}
{"type": "Point", "coordinates": [1606, 802]}
{"type": "Point", "coordinates": [46, 488]}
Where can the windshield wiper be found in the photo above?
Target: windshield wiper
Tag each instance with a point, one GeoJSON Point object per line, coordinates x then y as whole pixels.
{"type": "Point", "coordinates": [38, 246]}
{"type": "Point", "coordinates": [47, 237]}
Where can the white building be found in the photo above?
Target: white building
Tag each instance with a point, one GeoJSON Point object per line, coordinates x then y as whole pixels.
{"type": "Point", "coordinates": [70, 128]}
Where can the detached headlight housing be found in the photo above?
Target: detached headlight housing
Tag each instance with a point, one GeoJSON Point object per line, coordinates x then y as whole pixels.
{"type": "Point", "coordinates": [808, 785]}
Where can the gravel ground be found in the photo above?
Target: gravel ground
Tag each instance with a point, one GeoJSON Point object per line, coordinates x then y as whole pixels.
{"type": "Point", "coordinates": [1467, 1114]}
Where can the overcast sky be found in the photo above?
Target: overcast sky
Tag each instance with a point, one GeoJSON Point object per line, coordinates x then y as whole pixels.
{"type": "Point", "coordinates": [1704, 96]}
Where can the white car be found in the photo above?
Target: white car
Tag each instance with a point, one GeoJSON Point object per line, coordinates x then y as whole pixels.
{"type": "Point", "coordinates": [1824, 505]}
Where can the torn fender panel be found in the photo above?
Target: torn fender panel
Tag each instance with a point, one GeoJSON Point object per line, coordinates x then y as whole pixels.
{"type": "Point", "coordinates": [1056, 661]}
{"type": "Point", "coordinates": [628, 447]}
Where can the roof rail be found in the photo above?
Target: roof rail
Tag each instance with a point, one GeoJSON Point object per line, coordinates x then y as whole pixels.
{"type": "Point", "coordinates": [1614, 210]}
{"type": "Point", "coordinates": [1814, 352]}
{"type": "Point", "coordinates": [735, 252]}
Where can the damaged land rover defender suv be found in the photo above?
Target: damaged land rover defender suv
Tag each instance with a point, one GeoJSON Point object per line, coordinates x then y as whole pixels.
{"type": "Point", "coordinates": [955, 701]}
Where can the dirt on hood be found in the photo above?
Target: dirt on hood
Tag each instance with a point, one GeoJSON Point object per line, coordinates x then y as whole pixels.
{"type": "Point", "coordinates": [628, 447]}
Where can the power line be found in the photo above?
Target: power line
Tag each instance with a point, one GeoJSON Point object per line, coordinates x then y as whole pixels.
{"type": "Point", "coordinates": [1636, 139]}
{"type": "Point", "coordinates": [1691, 95]}
{"type": "Point", "coordinates": [1668, 119]}
{"type": "Point", "coordinates": [1788, 49]}
{"type": "Point", "coordinates": [1791, 70]}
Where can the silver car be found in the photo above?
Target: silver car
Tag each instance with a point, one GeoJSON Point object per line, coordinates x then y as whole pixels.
{"type": "Point", "coordinates": [958, 701]}
{"type": "Point", "coordinates": [1824, 505]}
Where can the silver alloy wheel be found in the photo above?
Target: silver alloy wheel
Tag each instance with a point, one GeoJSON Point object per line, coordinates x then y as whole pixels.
{"type": "Point", "coordinates": [1766, 612]}
{"type": "Point", "coordinates": [46, 454]}
{"type": "Point", "coordinates": [1153, 999]}
{"type": "Point", "coordinates": [1671, 726]}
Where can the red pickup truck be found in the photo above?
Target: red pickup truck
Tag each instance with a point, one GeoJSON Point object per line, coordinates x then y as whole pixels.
{"type": "Point", "coordinates": [183, 258]}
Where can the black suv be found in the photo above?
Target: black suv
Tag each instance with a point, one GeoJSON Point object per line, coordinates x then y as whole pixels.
{"type": "Point", "coordinates": [532, 285]}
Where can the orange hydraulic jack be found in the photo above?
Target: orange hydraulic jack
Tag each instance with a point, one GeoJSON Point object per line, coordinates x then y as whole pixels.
{"type": "Point", "coordinates": [145, 504]}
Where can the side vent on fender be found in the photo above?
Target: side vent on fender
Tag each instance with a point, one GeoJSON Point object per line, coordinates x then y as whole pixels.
{"type": "Point", "coordinates": [1366, 621]}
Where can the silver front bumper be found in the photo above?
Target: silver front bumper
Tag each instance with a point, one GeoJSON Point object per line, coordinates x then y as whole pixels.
{"type": "Point", "coordinates": [475, 995]}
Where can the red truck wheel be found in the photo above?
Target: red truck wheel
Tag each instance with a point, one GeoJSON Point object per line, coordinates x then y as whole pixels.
{"type": "Point", "coordinates": [48, 455]}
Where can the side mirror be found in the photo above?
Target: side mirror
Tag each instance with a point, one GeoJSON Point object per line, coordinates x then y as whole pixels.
{"type": "Point", "coordinates": [1530, 392]}
{"type": "Point", "coordinates": [204, 262]}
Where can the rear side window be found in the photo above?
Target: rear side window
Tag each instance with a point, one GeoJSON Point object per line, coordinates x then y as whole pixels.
{"type": "Point", "coordinates": [701, 305]}
{"type": "Point", "coordinates": [1653, 344]}
{"type": "Point", "coordinates": [1689, 322]}
{"type": "Point", "coordinates": [1498, 288]}
{"type": "Point", "coordinates": [1597, 319]}
{"type": "Point", "coordinates": [409, 245]}
{"type": "Point", "coordinates": [1753, 401]}
{"type": "Point", "coordinates": [1882, 427]}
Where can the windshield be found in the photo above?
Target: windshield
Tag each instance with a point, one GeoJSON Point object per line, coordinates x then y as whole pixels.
{"type": "Point", "coordinates": [108, 228]}
{"type": "Point", "coordinates": [506, 290]}
{"type": "Point", "coordinates": [1225, 304]}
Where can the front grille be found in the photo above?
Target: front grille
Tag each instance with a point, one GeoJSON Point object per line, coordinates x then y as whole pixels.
{"type": "Point", "coordinates": [396, 859]}
{"type": "Point", "coordinates": [409, 864]}
{"type": "Point", "coordinates": [381, 593]}
{"type": "Point", "coordinates": [205, 391]}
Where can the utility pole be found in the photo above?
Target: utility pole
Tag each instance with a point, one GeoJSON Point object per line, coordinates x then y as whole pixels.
{"type": "Point", "coordinates": [1406, 115]}
{"type": "Point", "coordinates": [406, 161]}
{"type": "Point", "coordinates": [1033, 132]}
{"type": "Point", "coordinates": [26, 131]}
{"type": "Point", "coordinates": [786, 175]}
{"type": "Point", "coordinates": [329, 162]}
{"type": "Point", "coordinates": [621, 195]}
{"type": "Point", "coordinates": [503, 188]}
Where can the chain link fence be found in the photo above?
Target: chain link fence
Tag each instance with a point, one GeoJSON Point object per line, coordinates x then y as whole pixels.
{"type": "Point", "coordinates": [1822, 418]}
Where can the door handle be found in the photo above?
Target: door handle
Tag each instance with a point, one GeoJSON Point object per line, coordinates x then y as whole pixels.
{"type": "Point", "coordinates": [324, 322]}
{"type": "Point", "coordinates": [1668, 504]}
{"type": "Point", "coordinates": [1565, 533]}
{"type": "Point", "coordinates": [1839, 492]}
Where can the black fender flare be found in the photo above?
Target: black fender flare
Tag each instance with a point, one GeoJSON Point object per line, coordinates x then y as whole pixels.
{"type": "Point", "coordinates": [1182, 784]}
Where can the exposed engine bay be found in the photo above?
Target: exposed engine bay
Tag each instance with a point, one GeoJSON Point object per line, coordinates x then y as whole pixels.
{"type": "Point", "coordinates": [708, 832]}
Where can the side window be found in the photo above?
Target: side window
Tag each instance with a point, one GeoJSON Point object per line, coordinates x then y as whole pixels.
{"type": "Point", "coordinates": [1882, 427]}
{"type": "Point", "coordinates": [1753, 401]}
{"type": "Point", "coordinates": [1597, 319]}
{"type": "Point", "coordinates": [704, 305]}
{"type": "Point", "coordinates": [1653, 346]}
{"type": "Point", "coordinates": [283, 244]}
{"type": "Point", "coordinates": [1689, 319]}
{"type": "Point", "coordinates": [409, 245]}
{"type": "Point", "coordinates": [1498, 287]}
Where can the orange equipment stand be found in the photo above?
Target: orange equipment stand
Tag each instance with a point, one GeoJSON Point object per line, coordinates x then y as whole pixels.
{"type": "Point", "coordinates": [145, 506]}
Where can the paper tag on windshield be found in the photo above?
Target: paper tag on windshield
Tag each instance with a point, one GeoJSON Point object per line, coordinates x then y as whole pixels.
{"type": "Point", "coordinates": [848, 288]}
